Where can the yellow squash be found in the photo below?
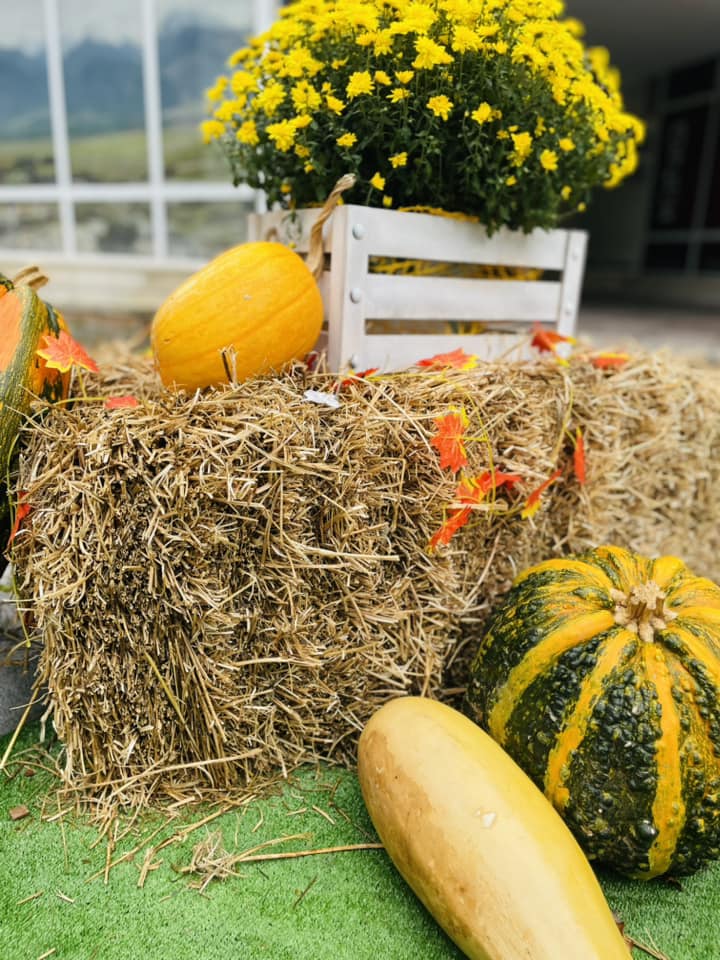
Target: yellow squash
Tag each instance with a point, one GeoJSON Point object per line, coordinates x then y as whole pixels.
{"type": "Point", "coordinates": [250, 311]}
{"type": "Point", "coordinates": [478, 842]}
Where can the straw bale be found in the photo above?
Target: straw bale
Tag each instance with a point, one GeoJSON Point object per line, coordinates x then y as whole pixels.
{"type": "Point", "coordinates": [230, 583]}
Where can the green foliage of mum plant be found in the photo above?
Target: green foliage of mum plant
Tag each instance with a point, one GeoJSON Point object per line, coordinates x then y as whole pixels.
{"type": "Point", "coordinates": [490, 108]}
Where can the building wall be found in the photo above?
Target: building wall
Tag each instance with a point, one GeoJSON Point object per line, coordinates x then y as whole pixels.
{"type": "Point", "coordinates": [657, 238]}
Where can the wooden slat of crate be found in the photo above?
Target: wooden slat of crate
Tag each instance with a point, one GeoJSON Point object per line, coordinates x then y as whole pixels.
{"type": "Point", "coordinates": [353, 295]}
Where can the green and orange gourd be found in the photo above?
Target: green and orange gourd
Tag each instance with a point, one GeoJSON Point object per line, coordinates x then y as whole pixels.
{"type": "Point", "coordinates": [600, 675]}
{"type": "Point", "coordinates": [25, 319]}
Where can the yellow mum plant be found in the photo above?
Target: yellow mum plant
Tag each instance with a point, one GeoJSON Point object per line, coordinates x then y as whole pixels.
{"type": "Point", "coordinates": [493, 108]}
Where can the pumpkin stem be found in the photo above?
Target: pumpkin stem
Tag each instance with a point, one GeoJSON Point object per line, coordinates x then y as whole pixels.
{"type": "Point", "coordinates": [316, 253]}
{"type": "Point", "coordinates": [643, 610]}
{"type": "Point", "coordinates": [30, 277]}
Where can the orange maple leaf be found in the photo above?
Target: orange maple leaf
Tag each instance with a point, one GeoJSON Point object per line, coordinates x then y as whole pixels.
{"type": "Point", "coordinates": [474, 489]}
{"type": "Point", "coordinates": [360, 375]}
{"type": "Point", "coordinates": [579, 456]}
{"type": "Point", "coordinates": [470, 490]}
{"type": "Point", "coordinates": [21, 511]}
{"type": "Point", "coordinates": [603, 361]}
{"type": "Point", "coordinates": [456, 520]}
{"type": "Point", "coordinates": [128, 400]}
{"type": "Point", "coordinates": [63, 352]}
{"type": "Point", "coordinates": [449, 439]}
{"type": "Point", "coordinates": [457, 359]}
{"type": "Point", "coordinates": [532, 504]}
{"type": "Point", "coordinates": [497, 479]}
{"type": "Point", "coordinates": [546, 341]}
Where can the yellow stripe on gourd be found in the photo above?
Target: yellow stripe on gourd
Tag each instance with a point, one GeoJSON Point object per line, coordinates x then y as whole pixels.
{"type": "Point", "coordinates": [698, 648]}
{"type": "Point", "coordinates": [631, 568]}
{"type": "Point", "coordinates": [668, 812]}
{"type": "Point", "coordinates": [574, 631]}
{"type": "Point", "coordinates": [575, 727]}
{"type": "Point", "coordinates": [664, 569]}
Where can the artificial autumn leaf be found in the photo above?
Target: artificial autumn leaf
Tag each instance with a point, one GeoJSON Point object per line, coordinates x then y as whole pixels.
{"type": "Point", "coordinates": [457, 359]}
{"type": "Point", "coordinates": [360, 375]}
{"type": "Point", "coordinates": [63, 352]}
{"type": "Point", "coordinates": [546, 341]}
{"type": "Point", "coordinates": [497, 479]}
{"type": "Point", "coordinates": [115, 403]}
{"type": "Point", "coordinates": [456, 520]}
{"type": "Point", "coordinates": [470, 490]}
{"type": "Point", "coordinates": [604, 361]}
{"type": "Point", "coordinates": [21, 511]}
{"type": "Point", "coordinates": [532, 504]}
{"type": "Point", "coordinates": [449, 439]}
{"type": "Point", "coordinates": [474, 489]}
{"type": "Point", "coordinates": [579, 456]}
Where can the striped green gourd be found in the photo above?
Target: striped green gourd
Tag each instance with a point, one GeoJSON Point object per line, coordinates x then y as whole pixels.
{"type": "Point", "coordinates": [600, 675]}
{"type": "Point", "coordinates": [24, 320]}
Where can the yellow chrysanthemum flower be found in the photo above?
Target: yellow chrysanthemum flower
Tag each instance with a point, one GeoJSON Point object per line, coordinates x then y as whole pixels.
{"type": "Point", "coordinates": [548, 160]}
{"type": "Point", "coordinates": [397, 94]}
{"type": "Point", "coordinates": [299, 60]}
{"type": "Point", "coordinates": [382, 78]}
{"type": "Point", "coordinates": [565, 192]}
{"type": "Point", "coordinates": [387, 201]}
{"type": "Point", "coordinates": [247, 133]}
{"type": "Point", "coordinates": [429, 54]}
{"type": "Point", "coordinates": [464, 39]}
{"type": "Point", "coordinates": [399, 159]}
{"type": "Point", "coordinates": [215, 93]}
{"type": "Point", "coordinates": [522, 144]}
{"type": "Point", "coordinates": [212, 130]}
{"type": "Point", "coordinates": [282, 134]}
{"type": "Point", "coordinates": [483, 113]}
{"type": "Point", "coordinates": [347, 140]}
{"type": "Point", "coordinates": [377, 181]}
{"type": "Point", "coordinates": [359, 83]}
{"type": "Point", "coordinates": [305, 97]}
{"type": "Point", "coordinates": [242, 82]}
{"type": "Point", "coordinates": [334, 104]}
{"type": "Point", "coordinates": [440, 106]}
{"type": "Point", "coordinates": [227, 110]}
{"type": "Point", "coordinates": [270, 98]}
{"type": "Point", "coordinates": [404, 76]}
{"type": "Point", "coordinates": [566, 144]}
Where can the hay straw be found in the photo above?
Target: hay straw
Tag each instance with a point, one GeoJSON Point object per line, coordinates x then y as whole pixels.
{"type": "Point", "coordinates": [211, 861]}
{"type": "Point", "coordinates": [230, 584]}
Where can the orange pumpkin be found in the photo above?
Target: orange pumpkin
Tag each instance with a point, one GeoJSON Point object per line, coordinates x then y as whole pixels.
{"type": "Point", "coordinates": [250, 311]}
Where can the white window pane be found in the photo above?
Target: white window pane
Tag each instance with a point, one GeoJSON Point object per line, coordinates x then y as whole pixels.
{"type": "Point", "coordinates": [205, 229]}
{"type": "Point", "coordinates": [25, 145]}
{"type": "Point", "coordinates": [29, 226]}
{"type": "Point", "coordinates": [195, 39]}
{"type": "Point", "coordinates": [102, 63]}
{"type": "Point", "coordinates": [113, 228]}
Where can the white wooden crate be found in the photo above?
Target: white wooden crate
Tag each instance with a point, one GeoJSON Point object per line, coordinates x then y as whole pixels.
{"type": "Point", "coordinates": [354, 297]}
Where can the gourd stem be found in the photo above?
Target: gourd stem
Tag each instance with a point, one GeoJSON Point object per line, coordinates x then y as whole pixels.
{"type": "Point", "coordinates": [30, 277]}
{"type": "Point", "coordinates": [642, 610]}
{"type": "Point", "coordinates": [316, 253]}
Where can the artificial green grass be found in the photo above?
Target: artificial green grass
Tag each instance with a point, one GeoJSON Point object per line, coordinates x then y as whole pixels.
{"type": "Point", "coordinates": [331, 906]}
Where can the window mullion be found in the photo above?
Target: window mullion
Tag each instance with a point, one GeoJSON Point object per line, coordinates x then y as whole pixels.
{"type": "Point", "coordinates": [59, 127]}
{"type": "Point", "coordinates": [153, 129]}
